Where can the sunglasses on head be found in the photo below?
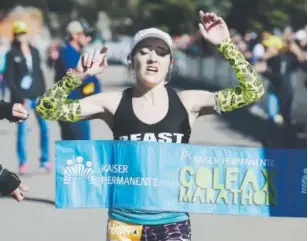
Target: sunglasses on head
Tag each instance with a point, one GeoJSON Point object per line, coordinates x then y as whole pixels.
{"type": "Point", "coordinates": [160, 51]}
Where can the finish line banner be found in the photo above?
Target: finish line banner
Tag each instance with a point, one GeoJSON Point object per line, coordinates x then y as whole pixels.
{"type": "Point", "coordinates": [181, 177]}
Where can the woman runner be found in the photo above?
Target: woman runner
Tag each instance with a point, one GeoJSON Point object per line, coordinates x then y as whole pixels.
{"type": "Point", "coordinates": [150, 111]}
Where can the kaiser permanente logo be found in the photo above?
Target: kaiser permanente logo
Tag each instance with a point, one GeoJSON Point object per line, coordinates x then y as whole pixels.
{"type": "Point", "coordinates": [77, 168]}
{"type": "Point", "coordinates": [111, 174]}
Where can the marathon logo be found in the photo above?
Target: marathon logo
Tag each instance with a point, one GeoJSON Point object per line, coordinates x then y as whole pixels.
{"type": "Point", "coordinates": [215, 185]}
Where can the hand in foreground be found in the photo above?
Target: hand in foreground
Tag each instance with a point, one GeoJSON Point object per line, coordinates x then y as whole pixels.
{"type": "Point", "coordinates": [18, 194]}
{"type": "Point", "coordinates": [20, 113]}
{"type": "Point", "coordinates": [213, 28]}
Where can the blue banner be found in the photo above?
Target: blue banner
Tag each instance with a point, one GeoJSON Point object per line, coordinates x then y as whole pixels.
{"type": "Point", "coordinates": [181, 177]}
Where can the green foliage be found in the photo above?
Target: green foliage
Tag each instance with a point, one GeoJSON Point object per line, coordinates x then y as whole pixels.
{"type": "Point", "coordinates": [174, 16]}
{"type": "Point", "coordinates": [267, 14]}
{"type": "Point", "coordinates": [181, 16]}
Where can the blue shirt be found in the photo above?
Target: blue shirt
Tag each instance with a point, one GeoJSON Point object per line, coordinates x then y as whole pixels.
{"type": "Point", "coordinates": [68, 58]}
{"type": "Point", "coordinates": [2, 61]}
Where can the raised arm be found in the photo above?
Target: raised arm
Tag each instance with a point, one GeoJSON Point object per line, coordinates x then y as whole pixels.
{"type": "Point", "coordinates": [54, 105]}
{"type": "Point", "coordinates": [250, 87]}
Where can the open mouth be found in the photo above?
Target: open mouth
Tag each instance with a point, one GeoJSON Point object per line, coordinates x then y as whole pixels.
{"type": "Point", "coordinates": [152, 69]}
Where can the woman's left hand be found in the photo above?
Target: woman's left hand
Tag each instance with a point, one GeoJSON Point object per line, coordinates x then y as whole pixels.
{"type": "Point", "coordinates": [213, 28]}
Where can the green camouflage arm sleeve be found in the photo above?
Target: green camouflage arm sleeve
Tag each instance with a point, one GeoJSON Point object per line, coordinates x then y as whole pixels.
{"type": "Point", "coordinates": [250, 88]}
{"type": "Point", "coordinates": [54, 105]}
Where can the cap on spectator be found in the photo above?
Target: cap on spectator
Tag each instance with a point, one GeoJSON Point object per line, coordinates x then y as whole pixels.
{"type": "Point", "coordinates": [301, 35]}
{"type": "Point", "coordinates": [288, 29]}
{"type": "Point", "coordinates": [277, 32]}
{"type": "Point", "coordinates": [74, 27]}
{"type": "Point", "coordinates": [273, 41]}
{"type": "Point", "coordinates": [20, 27]}
{"type": "Point", "coordinates": [152, 33]}
{"type": "Point", "coordinates": [258, 51]}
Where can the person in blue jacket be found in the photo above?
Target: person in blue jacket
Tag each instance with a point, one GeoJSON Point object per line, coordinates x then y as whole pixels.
{"type": "Point", "coordinates": [3, 52]}
{"type": "Point", "coordinates": [69, 55]}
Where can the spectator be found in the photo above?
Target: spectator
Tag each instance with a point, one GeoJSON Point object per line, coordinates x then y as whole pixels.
{"type": "Point", "coordinates": [280, 98]}
{"type": "Point", "coordinates": [10, 183]}
{"type": "Point", "coordinates": [3, 51]}
{"type": "Point", "coordinates": [53, 54]}
{"type": "Point", "coordinates": [68, 58]}
{"type": "Point", "coordinates": [26, 83]}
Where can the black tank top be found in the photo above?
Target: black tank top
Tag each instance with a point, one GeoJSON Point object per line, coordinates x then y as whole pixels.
{"type": "Point", "coordinates": [174, 127]}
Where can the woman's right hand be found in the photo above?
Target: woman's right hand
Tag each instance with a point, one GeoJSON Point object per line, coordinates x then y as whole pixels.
{"type": "Point", "coordinates": [92, 63]}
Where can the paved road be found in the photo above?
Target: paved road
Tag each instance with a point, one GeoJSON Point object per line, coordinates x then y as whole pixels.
{"type": "Point", "coordinates": [36, 219]}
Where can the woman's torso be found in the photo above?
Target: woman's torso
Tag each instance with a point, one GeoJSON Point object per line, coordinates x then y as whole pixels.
{"type": "Point", "coordinates": [173, 128]}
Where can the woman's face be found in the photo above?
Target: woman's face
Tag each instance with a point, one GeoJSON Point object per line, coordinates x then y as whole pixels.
{"type": "Point", "coordinates": [152, 61]}
{"type": "Point", "coordinates": [22, 38]}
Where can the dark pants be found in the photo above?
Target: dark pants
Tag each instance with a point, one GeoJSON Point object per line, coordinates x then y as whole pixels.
{"type": "Point", "coordinates": [75, 131]}
{"type": "Point", "coordinates": [3, 88]}
{"type": "Point", "coordinates": [288, 130]}
{"type": "Point", "coordinates": [284, 137]}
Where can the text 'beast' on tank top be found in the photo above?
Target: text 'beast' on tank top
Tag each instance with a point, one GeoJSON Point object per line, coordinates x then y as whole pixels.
{"type": "Point", "coordinates": [174, 127]}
